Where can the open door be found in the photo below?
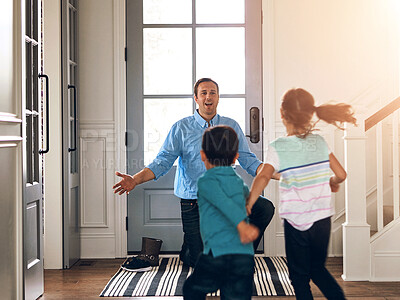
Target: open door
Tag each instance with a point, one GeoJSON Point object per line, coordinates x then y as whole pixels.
{"type": "Point", "coordinates": [32, 152]}
{"type": "Point", "coordinates": [70, 106]}
{"type": "Point", "coordinates": [169, 47]}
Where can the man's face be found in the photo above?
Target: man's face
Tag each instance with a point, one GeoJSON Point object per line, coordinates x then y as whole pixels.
{"type": "Point", "coordinates": [207, 98]}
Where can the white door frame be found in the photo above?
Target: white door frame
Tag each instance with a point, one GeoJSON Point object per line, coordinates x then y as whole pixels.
{"type": "Point", "coordinates": [269, 105]}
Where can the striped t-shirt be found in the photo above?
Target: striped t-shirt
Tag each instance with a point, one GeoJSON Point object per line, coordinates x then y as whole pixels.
{"type": "Point", "coordinates": [305, 194]}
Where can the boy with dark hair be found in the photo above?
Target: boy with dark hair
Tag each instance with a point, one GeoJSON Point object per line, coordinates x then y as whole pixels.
{"type": "Point", "coordinates": [227, 262]}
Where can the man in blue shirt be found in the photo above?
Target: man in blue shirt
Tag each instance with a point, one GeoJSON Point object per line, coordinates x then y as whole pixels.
{"type": "Point", "coordinates": [184, 142]}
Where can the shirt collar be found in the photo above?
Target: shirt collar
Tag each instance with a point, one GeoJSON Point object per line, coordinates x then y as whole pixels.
{"type": "Point", "coordinates": [203, 123]}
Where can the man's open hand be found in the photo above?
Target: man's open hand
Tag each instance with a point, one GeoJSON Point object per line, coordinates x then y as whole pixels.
{"type": "Point", "coordinates": [126, 184]}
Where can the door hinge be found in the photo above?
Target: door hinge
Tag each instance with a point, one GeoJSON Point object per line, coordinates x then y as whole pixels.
{"type": "Point", "coordinates": [126, 54]}
{"type": "Point", "coordinates": [126, 138]}
{"type": "Point", "coordinates": [262, 125]}
{"type": "Point", "coordinates": [126, 223]}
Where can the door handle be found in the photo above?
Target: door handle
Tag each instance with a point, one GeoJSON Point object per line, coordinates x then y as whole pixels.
{"type": "Point", "coordinates": [44, 151]}
{"type": "Point", "coordinates": [74, 89]}
{"type": "Point", "coordinates": [254, 125]}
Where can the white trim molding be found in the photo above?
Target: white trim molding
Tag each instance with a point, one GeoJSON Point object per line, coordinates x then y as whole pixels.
{"type": "Point", "coordinates": [271, 240]}
{"type": "Point", "coordinates": [121, 243]}
{"type": "Point", "coordinates": [99, 186]}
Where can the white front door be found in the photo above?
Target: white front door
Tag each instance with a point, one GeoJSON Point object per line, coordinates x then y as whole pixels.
{"type": "Point", "coordinates": [171, 44]}
{"type": "Point", "coordinates": [32, 152]}
{"type": "Point", "coordinates": [71, 146]}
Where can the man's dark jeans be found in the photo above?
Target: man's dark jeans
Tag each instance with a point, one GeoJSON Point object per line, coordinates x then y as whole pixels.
{"type": "Point", "coordinates": [192, 245]}
{"type": "Point", "coordinates": [261, 215]}
{"type": "Point", "coordinates": [232, 274]}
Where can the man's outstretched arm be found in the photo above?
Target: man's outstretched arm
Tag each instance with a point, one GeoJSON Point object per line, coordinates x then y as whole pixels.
{"type": "Point", "coordinates": [129, 182]}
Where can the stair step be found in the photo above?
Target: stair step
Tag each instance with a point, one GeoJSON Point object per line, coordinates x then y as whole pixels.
{"type": "Point", "coordinates": [387, 217]}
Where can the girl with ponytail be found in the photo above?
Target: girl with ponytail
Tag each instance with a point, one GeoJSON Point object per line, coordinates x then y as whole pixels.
{"type": "Point", "coordinates": [305, 164]}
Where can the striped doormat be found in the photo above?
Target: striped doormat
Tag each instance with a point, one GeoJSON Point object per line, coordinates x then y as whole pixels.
{"type": "Point", "coordinates": [270, 279]}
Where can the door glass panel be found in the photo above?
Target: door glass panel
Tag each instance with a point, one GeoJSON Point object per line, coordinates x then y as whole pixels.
{"type": "Point", "coordinates": [72, 145]}
{"type": "Point", "coordinates": [72, 74]}
{"type": "Point", "coordinates": [71, 39]}
{"type": "Point", "coordinates": [167, 61]}
{"type": "Point", "coordinates": [35, 17]}
{"type": "Point", "coordinates": [28, 70]}
{"type": "Point", "coordinates": [159, 116]}
{"type": "Point", "coordinates": [28, 18]}
{"type": "Point", "coordinates": [35, 79]}
{"type": "Point", "coordinates": [220, 11]}
{"type": "Point", "coordinates": [234, 108]}
{"type": "Point", "coordinates": [167, 11]}
{"type": "Point", "coordinates": [29, 150]}
{"type": "Point", "coordinates": [35, 150]}
{"type": "Point", "coordinates": [221, 56]}
{"type": "Point", "coordinates": [71, 103]}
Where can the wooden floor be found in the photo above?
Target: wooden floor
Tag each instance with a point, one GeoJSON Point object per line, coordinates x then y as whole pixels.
{"type": "Point", "coordinates": [87, 279]}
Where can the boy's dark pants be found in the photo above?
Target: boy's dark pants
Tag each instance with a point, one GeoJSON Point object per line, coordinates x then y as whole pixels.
{"type": "Point", "coordinates": [306, 253]}
{"type": "Point", "coordinates": [261, 215]}
{"type": "Point", "coordinates": [232, 274]}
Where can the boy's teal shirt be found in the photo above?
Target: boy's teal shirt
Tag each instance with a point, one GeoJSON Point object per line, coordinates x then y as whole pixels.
{"type": "Point", "coordinates": [222, 198]}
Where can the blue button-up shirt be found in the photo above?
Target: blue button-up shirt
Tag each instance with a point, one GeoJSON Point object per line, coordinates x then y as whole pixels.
{"type": "Point", "coordinates": [184, 142]}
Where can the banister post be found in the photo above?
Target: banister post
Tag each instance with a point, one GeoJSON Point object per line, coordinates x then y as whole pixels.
{"type": "Point", "coordinates": [356, 231]}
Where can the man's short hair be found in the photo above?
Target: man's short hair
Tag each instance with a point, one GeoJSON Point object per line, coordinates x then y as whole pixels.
{"type": "Point", "coordinates": [220, 144]}
{"type": "Point", "coordinates": [196, 85]}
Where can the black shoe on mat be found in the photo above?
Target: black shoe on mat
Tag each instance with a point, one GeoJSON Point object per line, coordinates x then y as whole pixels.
{"type": "Point", "coordinates": [134, 264]}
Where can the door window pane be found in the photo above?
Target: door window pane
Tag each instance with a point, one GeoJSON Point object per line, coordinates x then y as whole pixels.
{"type": "Point", "coordinates": [29, 148]}
{"type": "Point", "coordinates": [167, 61]}
{"type": "Point", "coordinates": [167, 11]}
{"type": "Point", "coordinates": [72, 142]}
{"type": "Point", "coordinates": [71, 103]}
{"type": "Point", "coordinates": [72, 33]}
{"type": "Point", "coordinates": [234, 108]}
{"type": "Point", "coordinates": [159, 116]}
{"type": "Point", "coordinates": [35, 150]}
{"type": "Point", "coordinates": [220, 11]}
{"type": "Point", "coordinates": [221, 56]}
{"type": "Point", "coordinates": [28, 70]}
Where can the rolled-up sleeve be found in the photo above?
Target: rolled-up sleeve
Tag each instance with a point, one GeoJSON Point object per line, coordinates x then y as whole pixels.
{"type": "Point", "coordinates": [169, 152]}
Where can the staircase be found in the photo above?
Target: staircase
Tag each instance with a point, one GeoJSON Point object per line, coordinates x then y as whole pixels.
{"type": "Point", "coordinates": [371, 248]}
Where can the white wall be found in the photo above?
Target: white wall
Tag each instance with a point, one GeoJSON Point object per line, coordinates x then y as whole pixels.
{"type": "Point", "coordinates": [340, 50]}
{"type": "Point", "coordinates": [102, 121]}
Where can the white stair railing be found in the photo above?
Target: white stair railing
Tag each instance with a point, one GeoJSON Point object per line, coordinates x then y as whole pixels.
{"type": "Point", "coordinates": [389, 111]}
{"type": "Point", "coordinates": [356, 230]}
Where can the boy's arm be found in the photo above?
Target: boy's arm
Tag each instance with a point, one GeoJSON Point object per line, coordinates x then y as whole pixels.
{"type": "Point", "coordinates": [247, 232]}
{"type": "Point", "coordinates": [259, 183]}
{"type": "Point", "coordinates": [338, 171]}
